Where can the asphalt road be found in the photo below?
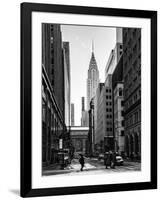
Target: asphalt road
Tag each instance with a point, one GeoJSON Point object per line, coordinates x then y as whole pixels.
{"type": "Point", "coordinates": [93, 166]}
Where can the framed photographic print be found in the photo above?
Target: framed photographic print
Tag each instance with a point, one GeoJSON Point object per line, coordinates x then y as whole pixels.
{"type": "Point", "coordinates": [88, 99]}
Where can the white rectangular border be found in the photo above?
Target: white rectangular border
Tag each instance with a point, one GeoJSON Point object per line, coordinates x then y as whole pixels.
{"type": "Point", "coordinates": [111, 178]}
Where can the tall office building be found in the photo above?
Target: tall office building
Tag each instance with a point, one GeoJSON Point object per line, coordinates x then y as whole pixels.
{"type": "Point", "coordinates": [104, 124]}
{"type": "Point", "coordinates": [72, 115]}
{"type": "Point", "coordinates": [119, 118]}
{"type": "Point", "coordinates": [99, 113]}
{"type": "Point", "coordinates": [113, 60]}
{"type": "Point", "coordinates": [85, 116]}
{"type": "Point", "coordinates": [93, 78]}
{"type": "Point", "coordinates": [132, 90]}
{"type": "Point", "coordinates": [118, 105]}
{"type": "Point", "coordinates": [83, 105]}
{"type": "Point", "coordinates": [114, 56]}
{"type": "Point", "coordinates": [66, 62]}
{"type": "Point", "coordinates": [53, 124]}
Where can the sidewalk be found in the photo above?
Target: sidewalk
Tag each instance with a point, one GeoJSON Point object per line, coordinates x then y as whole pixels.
{"type": "Point", "coordinates": [73, 167]}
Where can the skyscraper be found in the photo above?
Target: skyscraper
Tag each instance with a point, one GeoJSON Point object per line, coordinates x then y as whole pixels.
{"type": "Point", "coordinates": [85, 117]}
{"type": "Point", "coordinates": [93, 78]}
{"type": "Point", "coordinates": [53, 120]}
{"type": "Point", "coordinates": [66, 62]}
{"type": "Point", "coordinates": [72, 114]}
{"type": "Point", "coordinates": [132, 90]}
{"type": "Point", "coordinates": [83, 107]}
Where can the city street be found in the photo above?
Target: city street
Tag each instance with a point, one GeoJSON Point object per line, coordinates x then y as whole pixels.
{"type": "Point", "coordinates": [92, 166]}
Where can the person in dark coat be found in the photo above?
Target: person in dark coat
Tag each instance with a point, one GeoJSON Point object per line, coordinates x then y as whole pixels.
{"type": "Point", "coordinates": [81, 161]}
{"type": "Point", "coordinates": [113, 162]}
{"type": "Point", "coordinates": [107, 159]}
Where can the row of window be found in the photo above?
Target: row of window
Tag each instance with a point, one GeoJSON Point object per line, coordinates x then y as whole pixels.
{"type": "Point", "coordinates": [108, 109]}
{"type": "Point", "coordinates": [108, 103]}
{"type": "Point", "coordinates": [109, 122]}
{"type": "Point", "coordinates": [109, 129]}
{"type": "Point", "coordinates": [133, 118]}
{"type": "Point", "coordinates": [108, 90]}
{"type": "Point", "coordinates": [109, 116]}
{"type": "Point", "coordinates": [109, 97]}
{"type": "Point", "coordinates": [133, 99]}
{"type": "Point", "coordinates": [131, 59]}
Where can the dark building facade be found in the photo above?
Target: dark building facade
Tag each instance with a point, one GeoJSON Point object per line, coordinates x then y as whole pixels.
{"type": "Point", "coordinates": [85, 116]}
{"type": "Point", "coordinates": [91, 133]}
{"type": "Point", "coordinates": [53, 107]}
{"type": "Point", "coordinates": [66, 63]}
{"type": "Point", "coordinates": [132, 90]}
{"type": "Point", "coordinates": [72, 115]}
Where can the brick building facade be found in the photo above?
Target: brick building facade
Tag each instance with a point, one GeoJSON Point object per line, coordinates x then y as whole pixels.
{"type": "Point", "coordinates": [132, 90]}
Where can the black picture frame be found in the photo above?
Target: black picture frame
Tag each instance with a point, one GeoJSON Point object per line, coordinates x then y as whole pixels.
{"type": "Point", "coordinates": [26, 104]}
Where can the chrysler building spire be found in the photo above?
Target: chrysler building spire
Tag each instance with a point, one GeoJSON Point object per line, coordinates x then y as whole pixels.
{"type": "Point", "coordinates": [93, 78]}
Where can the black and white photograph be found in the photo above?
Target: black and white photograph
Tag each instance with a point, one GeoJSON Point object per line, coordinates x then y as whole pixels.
{"type": "Point", "coordinates": [91, 100]}
{"type": "Point", "coordinates": [88, 100]}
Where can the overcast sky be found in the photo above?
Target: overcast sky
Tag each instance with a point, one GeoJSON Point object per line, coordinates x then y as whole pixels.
{"type": "Point", "coordinates": [80, 41]}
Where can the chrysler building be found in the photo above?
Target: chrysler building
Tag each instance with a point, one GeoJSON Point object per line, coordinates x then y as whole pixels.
{"type": "Point", "coordinates": [93, 78]}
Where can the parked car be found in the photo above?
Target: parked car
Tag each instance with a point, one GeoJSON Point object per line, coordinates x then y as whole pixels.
{"type": "Point", "coordinates": [101, 156]}
{"type": "Point", "coordinates": [119, 160]}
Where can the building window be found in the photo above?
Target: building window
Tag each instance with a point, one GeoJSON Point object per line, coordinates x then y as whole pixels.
{"type": "Point", "coordinates": [122, 113]}
{"type": "Point", "coordinates": [51, 28]}
{"type": "Point", "coordinates": [122, 103]}
{"type": "Point", "coordinates": [136, 117]}
{"type": "Point", "coordinates": [52, 70]}
{"type": "Point", "coordinates": [120, 92]}
{"type": "Point", "coordinates": [122, 133]}
{"type": "Point", "coordinates": [52, 60]}
{"type": "Point", "coordinates": [123, 123]}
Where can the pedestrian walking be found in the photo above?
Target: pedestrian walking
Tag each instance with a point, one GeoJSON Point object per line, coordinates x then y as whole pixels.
{"type": "Point", "coordinates": [113, 161]}
{"type": "Point", "coordinates": [107, 159]}
{"type": "Point", "coordinates": [81, 161]}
